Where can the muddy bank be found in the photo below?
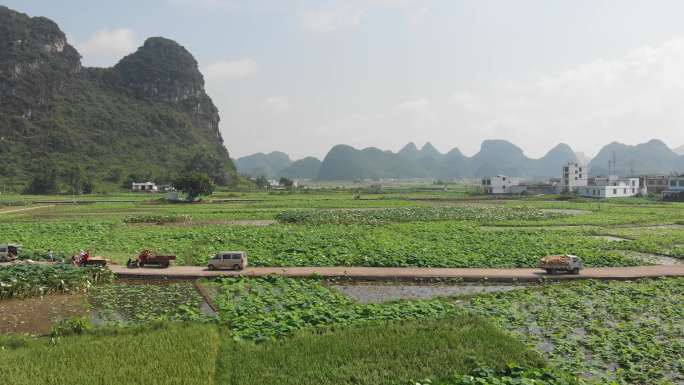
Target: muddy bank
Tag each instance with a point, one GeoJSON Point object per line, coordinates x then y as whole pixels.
{"type": "Point", "coordinates": [36, 315]}
{"type": "Point", "coordinates": [655, 259]}
{"type": "Point", "coordinates": [567, 211]}
{"type": "Point", "coordinates": [609, 238]}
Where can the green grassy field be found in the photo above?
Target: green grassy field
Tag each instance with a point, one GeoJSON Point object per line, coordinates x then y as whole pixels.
{"type": "Point", "coordinates": [177, 355]}
{"type": "Point", "coordinates": [334, 228]}
{"type": "Point", "coordinates": [190, 354]}
{"type": "Point", "coordinates": [382, 354]}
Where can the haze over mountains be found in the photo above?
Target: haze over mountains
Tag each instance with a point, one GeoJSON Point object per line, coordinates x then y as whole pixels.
{"type": "Point", "coordinates": [344, 162]}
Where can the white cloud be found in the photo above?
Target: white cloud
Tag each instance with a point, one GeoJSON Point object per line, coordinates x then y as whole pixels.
{"type": "Point", "coordinates": [107, 46]}
{"type": "Point", "coordinates": [413, 117]}
{"type": "Point", "coordinates": [327, 20]}
{"type": "Point", "coordinates": [231, 5]}
{"type": "Point", "coordinates": [277, 104]}
{"type": "Point", "coordinates": [352, 13]}
{"type": "Point", "coordinates": [631, 98]}
{"type": "Point", "coordinates": [225, 70]}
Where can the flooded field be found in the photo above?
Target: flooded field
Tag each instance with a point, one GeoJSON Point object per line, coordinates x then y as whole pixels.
{"type": "Point", "coordinates": [122, 302]}
{"type": "Point", "coordinates": [379, 293]}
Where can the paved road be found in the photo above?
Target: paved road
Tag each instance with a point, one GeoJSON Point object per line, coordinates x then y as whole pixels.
{"type": "Point", "coordinates": [402, 273]}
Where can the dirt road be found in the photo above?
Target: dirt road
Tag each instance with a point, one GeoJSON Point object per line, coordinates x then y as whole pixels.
{"type": "Point", "coordinates": [24, 209]}
{"type": "Point", "coordinates": [402, 273]}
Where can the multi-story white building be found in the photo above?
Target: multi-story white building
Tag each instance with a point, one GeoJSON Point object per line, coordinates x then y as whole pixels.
{"type": "Point", "coordinates": [610, 187]}
{"type": "Point", "coordinates": [502, 184]}
{"type": "Point", "coordinates": [573, 176]}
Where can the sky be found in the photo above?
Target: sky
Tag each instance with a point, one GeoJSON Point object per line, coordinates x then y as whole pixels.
{"type": "Point", "coordinates": [300, 76]}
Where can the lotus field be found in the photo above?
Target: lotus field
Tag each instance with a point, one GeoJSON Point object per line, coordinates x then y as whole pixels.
{"type": "Point", "coordinates": [286, 331]}
{"type": "Point", "coordinates": [38, 280]}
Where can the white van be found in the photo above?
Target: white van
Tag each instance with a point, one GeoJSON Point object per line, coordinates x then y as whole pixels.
{"type": "Point", "coordinates": [236, 260]}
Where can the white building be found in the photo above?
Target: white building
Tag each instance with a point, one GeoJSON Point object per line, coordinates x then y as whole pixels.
{"type": "Point", "coordinates": [573, 176]}
{"type": "Point", "coordinates": [611, 187]}
{"type": "Point", "coordinates": [144, 186]}
{"type": "Point", "coordinates": [502, 184]}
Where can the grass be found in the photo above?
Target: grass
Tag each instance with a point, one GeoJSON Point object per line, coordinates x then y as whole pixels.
{"type": "Point", "coordinates": [189, 354]}
{"type": "Point", "coordinates": [182, 354]}
{"type": "Point", "coordinates": [377, 354]}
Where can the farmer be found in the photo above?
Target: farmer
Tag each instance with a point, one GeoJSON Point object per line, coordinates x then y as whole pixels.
{"type": "Point", "coordinates": [86, 257]}
{"type": "Point", "coordinates": [51, 257]}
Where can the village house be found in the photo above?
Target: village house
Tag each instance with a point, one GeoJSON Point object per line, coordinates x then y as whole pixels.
{"type": "Point", "coordinates": [573, 176]}
{"type": "Point", "coordinates": [653, 184]}
{"type": "Point", "coordinates": [610, 187]}
{"type": "Point", "coordinates": [144, 186]}
{"type": "Point", "coordinates": [502, 184]}
{"type": "Point", "coordinates": [675, 187]}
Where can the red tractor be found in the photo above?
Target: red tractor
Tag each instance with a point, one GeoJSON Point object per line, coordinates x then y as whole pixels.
{"type": "Point", "coordinates": [147, 258]}
{"type": "Point", "coordinates": [85, 259]}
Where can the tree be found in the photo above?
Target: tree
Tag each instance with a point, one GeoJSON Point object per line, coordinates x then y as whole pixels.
{"type": "Point", "coordinates": [72, 176]}
{"type": "Point", "coordinates": [261, 182]}
{"type": "Point", "coordinates": [44, 182]}
{"type": "Point", "coordinates": [286, 182]}
{"type": "Point", "coordinates": [88, 187]}
{"type": "Point", "coordinates": [210, 164]}
{"type": "Point", "coordinates": [194, 184]}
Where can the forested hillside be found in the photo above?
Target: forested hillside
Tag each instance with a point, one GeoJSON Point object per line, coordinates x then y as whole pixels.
{"type": "Point", "coordinates": [148, 117]}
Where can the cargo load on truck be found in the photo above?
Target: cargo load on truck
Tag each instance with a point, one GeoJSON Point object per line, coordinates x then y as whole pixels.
{"type": "Point", "coordinates": [554, 264]}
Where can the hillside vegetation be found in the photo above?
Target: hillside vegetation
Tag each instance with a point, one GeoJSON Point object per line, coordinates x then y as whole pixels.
{"type": "Point", "coordinates": [145, 118]}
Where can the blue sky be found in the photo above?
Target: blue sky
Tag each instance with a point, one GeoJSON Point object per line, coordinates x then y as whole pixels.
{"type": "Point", "coordinates": [301, 76]}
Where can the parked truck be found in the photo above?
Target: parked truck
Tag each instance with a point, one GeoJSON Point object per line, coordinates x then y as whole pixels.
{"type": "Point", "coordinates": [554, 264]}
{"type": "Point", "coordinates": [149, 258]}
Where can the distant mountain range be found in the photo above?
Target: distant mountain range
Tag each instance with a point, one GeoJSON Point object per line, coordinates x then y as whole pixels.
{"type": "Point", "coordinates": [679, 150]}
{"type": "Point", "coordinates": [344, 162]}
{"type": "Point", "coordinates": [495, 157]}
{"type": "Point", "coordinates": [653, 157]}
{"type": "Point", "coordinates": [276, 164]}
